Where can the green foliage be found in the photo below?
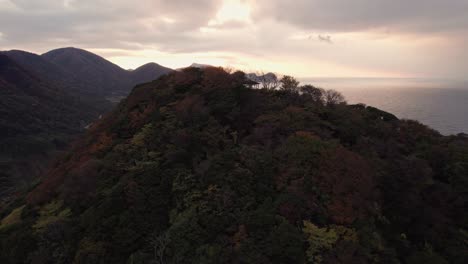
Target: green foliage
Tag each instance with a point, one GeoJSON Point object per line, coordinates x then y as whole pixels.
{"type": "Point", "coordinates": [289, 83]}
{"type": "Point", "coordinates": [426, 255]}
{"type": "Point", "coordinates": [197, 168]}
{"type": "Point", "coordinates": [13, 218]}
{"type": "Point", "coordinates": [144, 136]}
{"type": "Point", "coordinates": [320, 240]}
{"type": "Point", "coordinates": [51, 213]}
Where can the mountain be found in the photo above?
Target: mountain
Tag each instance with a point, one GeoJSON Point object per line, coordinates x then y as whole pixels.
{"type": "Point", "coordinates": [37, 118]}
{"type": "Point", "coordinates": [196, 65]}
{"type": "Point", "coordinates": [148, 72]}
{"type": "Point", "coordinates": [200, 66]}
{"type": "Point", "coordinates": [107, 79]}
{"type": "Point", "coordinates": [49, 99]}
{"type": "Point", "coordinates": [49, 71]}
{"type": "Point", "coordinates": [196, 167]}
{"type": "Point", "coordinates": [84, 73]}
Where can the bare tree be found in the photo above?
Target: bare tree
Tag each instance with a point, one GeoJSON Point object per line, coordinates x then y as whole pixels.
{"type": "Point", "coordinates": [160, 244]}
{"type": "Point", "coordinates": [268, 81]}
{"type": "Point", "coordinates": [333, 97]}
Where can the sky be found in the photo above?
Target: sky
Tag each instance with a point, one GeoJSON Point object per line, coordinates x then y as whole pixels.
{"type": "Point", "coordinates": [304, 38]}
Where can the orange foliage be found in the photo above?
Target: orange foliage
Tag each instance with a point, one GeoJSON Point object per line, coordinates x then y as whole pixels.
{"type": "Point", "coordinates": [139, 95]}
{"type": "Point", "coordinates": [343, 176]}
{"type": "Point", "coordinates": [306, 134]}
{"type": "Point", "coordinates": [51, 181]}
{"type": "Point", "coordinates": [348, 179]}
{"type": "Point", "coordinates": [185, 78]}
{"type": "Point", "coordinates": [189, 105]}
{"type": "Point", "coordinates": [216, 78]}
{"type": "Point", "coordinates": [138, 117]}
{"type": "Point", "coordinates": [102, 142]}
{"type": "Point", "coordinates": [56, 176]}
{"type": "Point", "coordinates": [239, 236]}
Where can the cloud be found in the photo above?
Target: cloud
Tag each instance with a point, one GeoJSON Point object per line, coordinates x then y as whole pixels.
{"type": "Point", "coordinates": [113, 23]}
{"type": "Point", "coordinates": [363, 15]}
{"type": "Point", "coordinates": [417, 37]}
{"type": "Point", "coordinates": [326, 39]}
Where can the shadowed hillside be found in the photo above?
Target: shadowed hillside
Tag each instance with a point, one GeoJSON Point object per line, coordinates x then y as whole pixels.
{"type": "Point", "coordinates": [148, 72]}
{"type": "Point", "coordinates": [49, 99]}
{"type": "Point", "coordinates": [197, 168]}
{"type": "Point", "coordinates": [106, 78]}
{"type": "Point", "coordinates": [84, 73]}
{"type": "Point", "coordinates": [37, 117]}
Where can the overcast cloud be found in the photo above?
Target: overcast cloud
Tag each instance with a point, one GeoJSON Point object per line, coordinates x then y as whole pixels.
{"type": "Point", "coordinates": [422, 38]}
{"type": "Point", "coordinates": [414, 16]}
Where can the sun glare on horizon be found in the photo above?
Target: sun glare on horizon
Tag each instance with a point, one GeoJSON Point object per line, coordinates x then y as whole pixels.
{"type": "Point", "coordinates": [232, 10]}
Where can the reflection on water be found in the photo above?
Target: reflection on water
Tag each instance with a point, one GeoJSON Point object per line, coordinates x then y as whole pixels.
{"type": "Point", "coordinates": [440, 104]}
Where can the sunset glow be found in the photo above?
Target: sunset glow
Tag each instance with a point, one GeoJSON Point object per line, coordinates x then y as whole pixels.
{"type": "Point", "coordinates": [309, 38]}
{"type": "Point", "coordinates": [233, 10]}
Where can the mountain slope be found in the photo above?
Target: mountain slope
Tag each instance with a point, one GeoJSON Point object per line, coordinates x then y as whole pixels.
{"type": "Point", "coordinates": [48, 99]}
{"type": "Point", "coordinates": [36, 118]}
{"type": "Point", "coordinates": [197, 168]}
{"type": "Point", "coordinates": [148, 72]}
{"type": "Point", "coordinates": [36, 64]}
{"type": "Point", "coordinates": [47, 70]}
{"type": "Point", "coordinates": [107, 78]}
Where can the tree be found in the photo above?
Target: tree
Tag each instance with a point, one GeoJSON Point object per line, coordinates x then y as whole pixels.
{"type": "Point", "coordinates": [159, 244]}
{"type": "Point", "coordinates": [289, 83]}
{"type": "Point", "coordinates": [316, 94]}
{"type": "Point", "coordinates": [268, 81]}
{"type": "Point", "coordinates": [333, 97]}
{"type": "Point", "coordinates": [320, 240]}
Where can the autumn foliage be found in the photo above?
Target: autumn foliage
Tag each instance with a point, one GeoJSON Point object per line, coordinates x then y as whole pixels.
{"type": "Point", "coordinates": [197, 167]}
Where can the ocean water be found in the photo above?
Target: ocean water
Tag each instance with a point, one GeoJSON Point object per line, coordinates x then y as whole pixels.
{"type": "Point", "coordinates": [440, 104]}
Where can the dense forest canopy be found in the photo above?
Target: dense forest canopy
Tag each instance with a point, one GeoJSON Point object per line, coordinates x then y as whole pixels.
{"type": "Point", "coordinates": [196, 167]}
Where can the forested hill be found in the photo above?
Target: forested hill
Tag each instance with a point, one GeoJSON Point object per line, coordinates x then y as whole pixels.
{"type": "Point", "coordinates": [196, 167]}
{"type": "Point", "coordinates": [46, 100]}
{"type": "Point", "coordinates": [36, 119]}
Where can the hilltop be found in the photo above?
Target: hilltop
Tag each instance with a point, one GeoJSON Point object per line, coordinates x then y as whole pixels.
{"type": "Point", "coordinates": [196, 167]}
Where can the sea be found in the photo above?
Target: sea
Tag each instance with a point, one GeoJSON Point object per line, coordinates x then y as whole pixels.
{"type": "Point", "coordinates": [438, 103]}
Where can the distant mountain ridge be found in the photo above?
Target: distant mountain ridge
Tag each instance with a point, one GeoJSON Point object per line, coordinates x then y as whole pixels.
{"type": "Point", "coordinates": [106, 77]}
{"type": "Point", "coordinates": [147, 72]}
{"type": "Point", "coordinates": [86, 72]}
{"type": "Point", "coordinates": [47, 70]}
{"type": "Point", "coordinates": [196, 65]}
